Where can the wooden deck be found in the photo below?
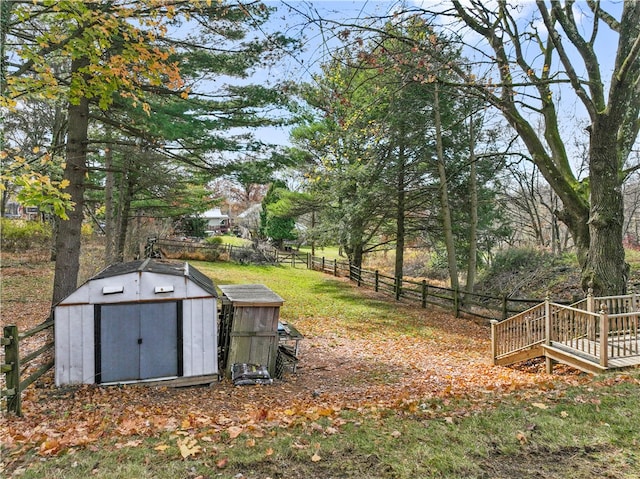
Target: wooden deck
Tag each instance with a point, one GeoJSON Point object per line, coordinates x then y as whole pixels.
{"type": "Point", "coordinates": [575, 335]}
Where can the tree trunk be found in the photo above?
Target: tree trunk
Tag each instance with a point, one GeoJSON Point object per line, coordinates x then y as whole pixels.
{"type": "Point", "coordinates": [473, 206]}
{"type": "Point", "coordinates": [605, 270]}
{"type": "Point", "coordinates": [444, 196]}
{"type": "Point", "coordinates": [400, 210]}
{"type": "Point", "coordinates": [69, 231]}
{"type": "Point", "coordinates": [124, 210]}
{"type": "Point", "coordinates": [109, 207]}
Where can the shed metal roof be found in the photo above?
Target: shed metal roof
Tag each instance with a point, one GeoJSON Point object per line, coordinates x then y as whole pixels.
{"type": "Point", "coordinates": [250, 295]}
{"type": "Point", "coordinates": [160, 267]}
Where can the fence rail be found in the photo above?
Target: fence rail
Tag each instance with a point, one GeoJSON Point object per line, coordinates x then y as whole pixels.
{"type": "Point", "coordinates": [423, 293]}
{"type": "Point", "coordinates": [474, 304]}
{"type": "Point", "coordinates": [14, 366]}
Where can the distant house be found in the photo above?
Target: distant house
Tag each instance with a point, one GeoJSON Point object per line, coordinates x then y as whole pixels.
{"type": "Point", "coordinates": [217, 222]}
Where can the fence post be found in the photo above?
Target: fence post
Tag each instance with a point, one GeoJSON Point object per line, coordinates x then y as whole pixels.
{"type": "Point", "coordinates": [359, 277]}
{"type": "Point", "coordinates": [323, 265]}
{"type": "Point", "coordinates": [504, 307]}
{"type": "Point", "coordinates": [604, 336]}
{"type": "Point", "coordinates": [494, 342]}
{"type": "Point", "coordinates": [456, 302]}
{"type": "Point", "coordinates": [376, 284]}
{"type": "Point", "coordinates": [398, 287]}
{"type": "Point", "coordinates": [309, 261]}
{"type": "Point", "coordinates": [335, 267]}
{"type": "Point", "coordinates": [12, 368]}
{"type": "Point", "coordinates": [424, 293]}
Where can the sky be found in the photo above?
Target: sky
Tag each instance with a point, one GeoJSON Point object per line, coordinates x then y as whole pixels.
{"type": "Point", "coordinates": [291, 18]}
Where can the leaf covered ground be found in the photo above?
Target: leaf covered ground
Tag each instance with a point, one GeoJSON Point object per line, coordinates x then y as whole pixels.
{"type": "Point", "coordinates": [356, 366]}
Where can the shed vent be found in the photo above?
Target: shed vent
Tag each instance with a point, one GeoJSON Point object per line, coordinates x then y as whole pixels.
{"type": "Point", "coordinates": [112, 289]}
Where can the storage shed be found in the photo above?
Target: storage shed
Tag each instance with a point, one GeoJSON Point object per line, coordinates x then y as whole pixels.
{"type": "Point", "coordinates": [137, 321]}
{"type": "Point", "coordinates": [249, 326]}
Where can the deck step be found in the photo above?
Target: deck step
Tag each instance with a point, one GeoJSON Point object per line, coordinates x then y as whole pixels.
{"type": "Point", "coordinates": [518, 356]}
{"type": "Point", "coordinates": [563, 356]}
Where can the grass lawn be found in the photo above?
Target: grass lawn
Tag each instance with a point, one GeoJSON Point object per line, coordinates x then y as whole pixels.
{"type": "Point", "coordinates": [383, 390]}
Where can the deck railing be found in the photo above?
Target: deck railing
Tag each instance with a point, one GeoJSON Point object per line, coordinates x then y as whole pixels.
{"type": "Point", "coordinates": [610, 333]}
{"type": "Point", "coordinates": [518, 333]}
{"type": "Point", "coordinates": [575, 328]}
{"type": "Point", "coordinates": [623, 339]}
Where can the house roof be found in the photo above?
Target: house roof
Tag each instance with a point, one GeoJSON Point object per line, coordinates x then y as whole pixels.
{"type": "Point", "coordinates": [213, 214]}
{"type": "Point", "coordinates": [160, 267]}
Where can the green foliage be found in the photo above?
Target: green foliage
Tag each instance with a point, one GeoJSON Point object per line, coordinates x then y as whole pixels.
{"type": "Point", "coordinates": [21, 235]}
{"type": "Point", "coordinates": [273, 226]}
{"type": "Point", "coordinates": [518, 259]}
{"type": "Point", "coordinates": [214, 240]}
{"type": "Point", "coordinates": [194, 227]}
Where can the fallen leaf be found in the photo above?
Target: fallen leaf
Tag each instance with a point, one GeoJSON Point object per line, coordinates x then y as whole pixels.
{"type": "Point", "coordinates": [520, 436]}
{"type": "Point", "coordinates": [269, 452]}
{"type": "Point", "coordinates": [316, 457]}
{"type": "Point", "coordinates": [564, 414]}
{"type": "Point", "coordinates": [161, 447]}
{"type": "Point", "coordinates": [540, 405]}
{"type": "Point", "coordinates": [222, 463]}
{"type": "Point", "coordinates": [396, 434]}
{"type": "Point", "coordinates": [234, 431]}
{"type": "Point", "coordinates": [188, 447]}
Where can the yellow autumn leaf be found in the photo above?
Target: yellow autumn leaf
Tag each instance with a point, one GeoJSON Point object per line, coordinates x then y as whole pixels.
{"type": "Point", "coordinates": [188, 447]}
{"type": "Point", "coordinates": [161, 447]}
{"type": "Point", "coordinates": [316, 457]}
{"type": "Point", "coordinates": [540, 405]}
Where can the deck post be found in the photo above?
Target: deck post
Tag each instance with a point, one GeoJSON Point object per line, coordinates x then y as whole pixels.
{"type": "Point", "coordinates": [547, 333]}
{"type": "Point", "coordinates": [494, 342]}
{"type": "Point", "coordinates": [591, 307]}
{"type": "Point", "coordinates": [547, 321]}
{"type": "Point", "coordinates": [604, 336]}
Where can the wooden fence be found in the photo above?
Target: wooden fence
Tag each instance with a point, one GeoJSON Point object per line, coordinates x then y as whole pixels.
{"type": "Point", "coordinates": [14, 366]}
{"type": "Point", "coordinates": [475, 304]}
{"type": "Point", "coordinates": [425, 294]}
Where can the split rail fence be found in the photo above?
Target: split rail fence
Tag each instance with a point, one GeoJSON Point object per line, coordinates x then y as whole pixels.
{"type": "Point", "coordinates": [420, 292]}
{"type": "Point", "coordinates": [15, 367]}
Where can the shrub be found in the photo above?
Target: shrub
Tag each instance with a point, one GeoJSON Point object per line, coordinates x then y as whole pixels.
{"type": "Point", "coordinates": [213, 240]}
{"type": "Point", "coordinates": [21, 235]}
{"type": "Point", "coordinates": [518, 259]}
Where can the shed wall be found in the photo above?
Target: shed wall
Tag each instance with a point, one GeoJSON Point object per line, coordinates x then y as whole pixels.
{"type": "Point", "coordinates": [74, 345]}
{"type": "Point", "coordinates": [200, 337]}
{"type": "Point", "coordinates": [254, 336]}
{"type": "Point", "coordinates": [75, 340]}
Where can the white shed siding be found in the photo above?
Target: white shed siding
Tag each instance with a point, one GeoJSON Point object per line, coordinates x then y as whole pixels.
{"type": "Point", "coordinates": [150, 280]}
{"type": "Point", "coordinates": [136, 287]}
{"type": "Point", "coordinates": [130, 283]}
{"type": "Point", "coordinates": [199, 339]}
{"type": "Point", "coordinates": [74, 345]}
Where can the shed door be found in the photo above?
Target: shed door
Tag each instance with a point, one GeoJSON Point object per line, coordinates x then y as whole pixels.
{"type": "Point", "coordinates": [138, 341]}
